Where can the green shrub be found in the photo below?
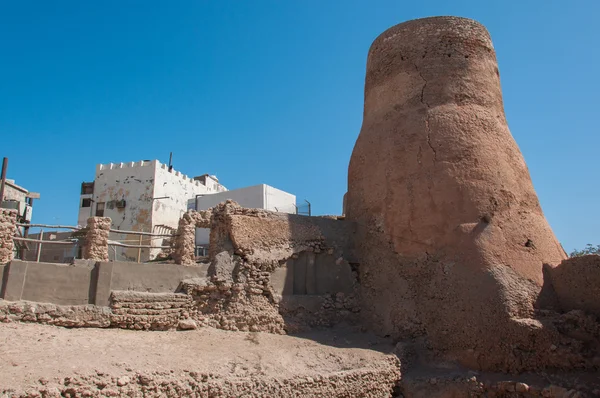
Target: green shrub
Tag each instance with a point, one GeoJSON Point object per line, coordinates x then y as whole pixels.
{"type": "Point", "coordinates": [589, 249]}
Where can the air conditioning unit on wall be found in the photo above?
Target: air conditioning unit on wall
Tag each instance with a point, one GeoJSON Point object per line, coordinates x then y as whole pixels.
{"type": "Point", "coordinates": [120, 204]}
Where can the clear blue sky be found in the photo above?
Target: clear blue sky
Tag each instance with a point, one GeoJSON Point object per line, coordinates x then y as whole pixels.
{"type": "Point", "coordinates": [272, 92]}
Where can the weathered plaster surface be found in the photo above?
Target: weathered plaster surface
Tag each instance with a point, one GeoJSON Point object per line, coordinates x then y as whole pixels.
{"type": "Point", "coordinates": [155, 199]}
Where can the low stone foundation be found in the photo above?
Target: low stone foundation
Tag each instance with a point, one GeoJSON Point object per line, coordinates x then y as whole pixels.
{"type": "Point", "coordinates": [148, 311]}
{"type": "Point", "coordinates": [77, 316]}
{"type": "Point", "coordinates": [376, 383]}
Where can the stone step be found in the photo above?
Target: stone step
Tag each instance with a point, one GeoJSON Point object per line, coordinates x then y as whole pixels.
{"type": "Point", "coordinates": [146, 297]}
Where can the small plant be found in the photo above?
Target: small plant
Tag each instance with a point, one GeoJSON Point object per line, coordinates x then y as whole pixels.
{"type": "Point", "coordinates": [589, 249]}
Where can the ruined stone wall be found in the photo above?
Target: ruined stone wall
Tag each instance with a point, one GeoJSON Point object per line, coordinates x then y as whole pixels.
{"type": "Point", "coordinates": [267, 237]}
{"type": "Point", "coordinates": [127, 310]}
{"type": "Point", "coordinates": [149, 311]}
{"type": "Point", "coordinates": [451, 237]}
{"type": "Point", "coordinates": [8, 229]}
{"type": "Point", "coordinates": [185, 240]}
{"type": "Point", "coordinates": [273, 273]}
{"type": "Point", "coordinates": [96, 245]}
{"type": "Point", "coordinates": [301, 263]}
{"type": "Point", "coordinates": [58, 315]}
{"type": "Point", "coordinates": [260, 259]}
{"type": "Point", "coordinates": [576, 283]}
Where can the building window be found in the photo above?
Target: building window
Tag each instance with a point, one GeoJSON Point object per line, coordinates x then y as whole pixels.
{"type": "Point", "coordinates": [87, 188]}
{"type": "Point", "coordinates": [100, 209]}
{"type": "Point", "coordinates": [86, 202]}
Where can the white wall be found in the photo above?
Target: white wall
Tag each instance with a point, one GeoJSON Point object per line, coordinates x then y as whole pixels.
{"type": "Point", "coordinates": [179, 189]}
{"type": "Point", "coordinates": [252, 197]}
{"type": "Point", "coordinates": [14, 192]}
{"type": "Point", "coordinates": [278, 200]}
{"type": "Point", "coordinates": [133, 182]}
{"type": "Point", "coordinates": [84, 212]}
{"type": "Point", "coordinates": [156, 198]}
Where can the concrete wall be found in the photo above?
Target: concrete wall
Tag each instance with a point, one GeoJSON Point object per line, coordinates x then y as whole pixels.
{"type": "Point", "coordinates": [88, 283]}
{"type": "Point", "coordinates": [313, 274]}
{"type": "Point", "coordinates": [3, 269]}
{"type": "Point", "coordinates": [278, 200]}
{"type": "Point", "coordinates": [14, 192]}
{"type": "Point", "coordinates": [250, 197]}
{"type": "Point", "coordinates": [57, 283]}
{"type": "Point", "coordinates": [154, 278]}
{"type": "Point", "coordinates": [47, 283]}
{"type": "Point", "coordinates": [85, 212]}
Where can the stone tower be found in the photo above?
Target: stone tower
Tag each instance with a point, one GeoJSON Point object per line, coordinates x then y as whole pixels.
{"type": "Point", "coordinates": [452, 238]}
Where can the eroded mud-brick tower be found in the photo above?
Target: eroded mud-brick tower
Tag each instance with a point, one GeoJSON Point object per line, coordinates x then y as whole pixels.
{"type": "Point", "coordinates": [452, 237]}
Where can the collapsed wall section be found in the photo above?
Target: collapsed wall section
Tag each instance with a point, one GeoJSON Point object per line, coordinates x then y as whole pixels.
{"type": "Point", "coordinates": [576, 283]}
{"type": "Point", "coordinates": [185, 239]}
{"type": "Point", "coordinates": [275, 271]}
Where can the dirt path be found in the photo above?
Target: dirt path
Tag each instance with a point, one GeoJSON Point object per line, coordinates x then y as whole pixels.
{"type": "Point", "coordinates": [101, 362]}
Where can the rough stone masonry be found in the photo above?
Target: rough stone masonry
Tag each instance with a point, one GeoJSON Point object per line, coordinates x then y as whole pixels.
{"type": "Point", "coordinates": [8, 220]}
{"type": "Point", "coordinates": [445, 249]}
{"type": "Point", "coordinates": [96, 247]}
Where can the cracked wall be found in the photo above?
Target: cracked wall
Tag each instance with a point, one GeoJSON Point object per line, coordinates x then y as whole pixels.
{"type": "Point", "coordinates": [132, 182]}
{"type": "Point", "coordinates": [443, 202]}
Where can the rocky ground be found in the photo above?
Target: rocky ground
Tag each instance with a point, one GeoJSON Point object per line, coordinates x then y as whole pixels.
{"type": "Point", "coordinates": [48, 361]}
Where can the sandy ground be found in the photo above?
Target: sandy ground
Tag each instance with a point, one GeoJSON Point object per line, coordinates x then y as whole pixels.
{"type": "Point", "coordinates": [33, 355]}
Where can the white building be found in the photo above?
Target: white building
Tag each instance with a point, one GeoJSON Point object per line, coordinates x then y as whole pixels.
{"type": "Point", "coordinates": [258, 197]}
{"type": "Point", "coordinates": [19, 199]}
{"type": "Point", "coordinates": [145, 196]}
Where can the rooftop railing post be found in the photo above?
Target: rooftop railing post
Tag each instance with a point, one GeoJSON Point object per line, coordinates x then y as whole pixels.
{"type": "Point", "coordinates": [39, 248]}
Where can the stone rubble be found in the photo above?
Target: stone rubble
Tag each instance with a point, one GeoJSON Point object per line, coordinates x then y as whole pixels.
{"type": "Point", "coordinates": [8, 221]}
{"type": "Point", "coordinates": [96, 240]}
{"type": "Point", "coordinates": [375, 381]}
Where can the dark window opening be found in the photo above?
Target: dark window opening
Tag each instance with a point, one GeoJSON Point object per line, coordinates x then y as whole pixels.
{"type": "Point", "coordinates": [86, 202]}
{"type": "Point", "coordinates": [100, 209]}
{"type": "Point", "coordinates": [87, 188]}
